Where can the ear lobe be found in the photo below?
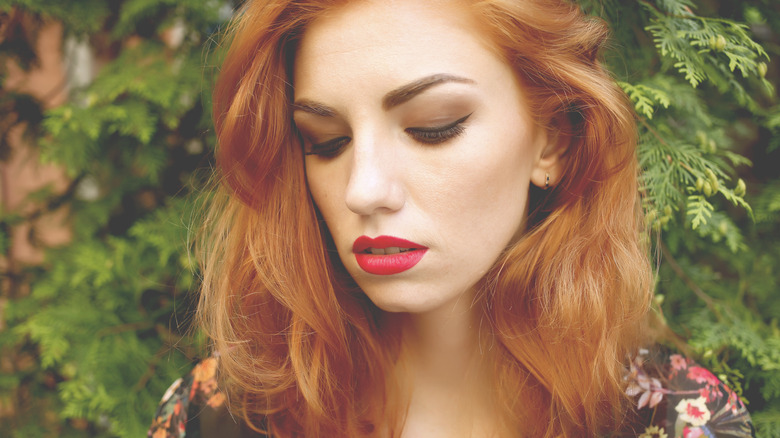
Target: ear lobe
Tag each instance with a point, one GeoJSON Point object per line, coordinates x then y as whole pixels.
{"type": "Point", "coordinates": [550, 165]}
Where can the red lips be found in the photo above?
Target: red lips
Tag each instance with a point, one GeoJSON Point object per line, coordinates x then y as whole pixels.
{"type": "Point", "coordinates": [386, 255]}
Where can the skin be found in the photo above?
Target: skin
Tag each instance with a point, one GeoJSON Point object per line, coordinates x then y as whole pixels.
{"type": "Point", "coordinates": [358, 77]}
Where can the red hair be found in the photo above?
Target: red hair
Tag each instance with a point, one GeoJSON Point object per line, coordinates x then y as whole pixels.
{"type": "Point", "coordinates": [303, 354]}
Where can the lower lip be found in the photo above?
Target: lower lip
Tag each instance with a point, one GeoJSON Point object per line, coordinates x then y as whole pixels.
{"type": "Point", "coordinates": [389, 264]}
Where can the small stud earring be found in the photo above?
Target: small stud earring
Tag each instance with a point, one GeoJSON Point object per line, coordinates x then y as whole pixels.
{"type": "Point", "coordinates": [546, 181]}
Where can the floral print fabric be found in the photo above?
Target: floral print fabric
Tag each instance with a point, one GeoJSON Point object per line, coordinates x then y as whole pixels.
{"type": "Point", "coordinates": [184, 399]}
{"type": "Point", "coordinates": [678, 398]}
{"type": "Point", "coordinates": [675, 398]}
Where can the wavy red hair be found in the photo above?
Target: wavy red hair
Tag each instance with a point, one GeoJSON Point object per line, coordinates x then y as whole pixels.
{"type": "Point", "coordinates": [303, 354]}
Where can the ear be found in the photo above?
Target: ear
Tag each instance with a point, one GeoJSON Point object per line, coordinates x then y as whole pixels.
{"type": "Point", "coordinates": [550, 162]}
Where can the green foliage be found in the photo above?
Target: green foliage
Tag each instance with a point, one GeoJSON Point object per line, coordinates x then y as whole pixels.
{"type": "Point", "coordinates": [698, 46]}
{"type": "Point", "coordinates": [104, 324]}
{"type": "Point", "coordinates": [129, 104]}
{"type": "Point", "coordinates": [645, 97]}
{"type": "Point", "coordinates": [706, 110]}
{"type": "Point", "coordinates": [81, 16]}
{"type": "Point", "coordinates": [100, 335]}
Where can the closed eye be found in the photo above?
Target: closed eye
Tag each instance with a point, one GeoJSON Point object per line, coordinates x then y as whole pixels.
{"type": "Point", "coordinates": [427, 135]}
{"type": "Point", "coordinates": [438, 134]}
{"type": "Point", "coordinates": [328, 149]}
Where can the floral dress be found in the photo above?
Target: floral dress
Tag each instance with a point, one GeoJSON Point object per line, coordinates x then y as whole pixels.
{"type": "Point", "coordinates": [674, 396]}
{"type": "Point", "coordinates": [677, 398]}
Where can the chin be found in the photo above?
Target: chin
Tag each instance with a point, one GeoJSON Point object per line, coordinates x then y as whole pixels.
{"type": "Point", "coordinates": [416, 302]}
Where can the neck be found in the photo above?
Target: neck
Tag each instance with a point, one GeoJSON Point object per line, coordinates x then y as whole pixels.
{"type": "Point", "coordinates": [442, 372]}
{"type": "Point", "coordinates": [442, 344]}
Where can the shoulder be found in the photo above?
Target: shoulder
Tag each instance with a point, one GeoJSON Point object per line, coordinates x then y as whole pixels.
{"type": "Point", "coordinates": [190, 404]}
{"type": "Point", "coordinates": [676, 397]}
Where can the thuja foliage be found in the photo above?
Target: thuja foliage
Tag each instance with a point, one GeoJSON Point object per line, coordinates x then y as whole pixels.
{"type": "Point", "coordinates": [699, 76]}
{"type": "Point", "coordinates": [100, 335]}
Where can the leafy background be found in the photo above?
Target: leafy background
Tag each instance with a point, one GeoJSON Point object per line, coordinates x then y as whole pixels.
{"type": "Point", "coordinates": [91, 337]}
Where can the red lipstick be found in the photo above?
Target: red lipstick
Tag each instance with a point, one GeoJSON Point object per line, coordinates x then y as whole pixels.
{"type": "Point", "coordinates": [386, 255]}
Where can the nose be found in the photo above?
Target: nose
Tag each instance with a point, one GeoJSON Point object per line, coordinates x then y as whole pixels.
{"type": "Point", "coordinates": [375, 184]}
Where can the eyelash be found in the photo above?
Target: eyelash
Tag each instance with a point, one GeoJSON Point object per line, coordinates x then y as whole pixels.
{"type": "Point", "coordinates": [328, 149]}
{"type": "Point", "coordinates": [430, 136]}
{"type": "Point", "coordinates": [439, 134]}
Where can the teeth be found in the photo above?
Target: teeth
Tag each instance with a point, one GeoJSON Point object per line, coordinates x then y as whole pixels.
{"type": "Point", "coordinates": [385, 251]}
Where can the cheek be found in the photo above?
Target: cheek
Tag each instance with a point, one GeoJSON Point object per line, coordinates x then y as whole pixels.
{"type": "Point", "coordinates": [494, 201]}
{"type": "Point", "coordinates": [324, 189]}
{"type": "Point", "coordinates": [487, 176]}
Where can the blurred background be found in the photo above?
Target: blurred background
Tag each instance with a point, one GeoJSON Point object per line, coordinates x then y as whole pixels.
{"type": "Point", "coordinates": [106, 145]}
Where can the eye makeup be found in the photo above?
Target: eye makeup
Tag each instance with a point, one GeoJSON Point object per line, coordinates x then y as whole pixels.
{"type": "Point", "coordinates": [433, 135]}
{"type": "Point", "coordinates": [438, 134]}
{"type": "Point", "coordinates": [328, 149]}
{"type": "Point", "coordinates": [321, 136]}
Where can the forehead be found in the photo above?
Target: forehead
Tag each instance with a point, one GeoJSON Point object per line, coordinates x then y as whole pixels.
{"type": "Point", "coordinates": [392, 41]}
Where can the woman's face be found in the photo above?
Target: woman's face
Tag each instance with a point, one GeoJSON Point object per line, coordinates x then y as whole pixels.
{"type": "Point", "coordinates": [416, 131]}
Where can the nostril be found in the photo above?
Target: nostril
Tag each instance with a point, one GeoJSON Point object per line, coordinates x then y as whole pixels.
{"type": "Point", "coordinates": [373, 188]}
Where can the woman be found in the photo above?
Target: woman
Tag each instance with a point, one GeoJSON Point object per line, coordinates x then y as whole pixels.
{"type": "Point", "coordinates": [428, 226]}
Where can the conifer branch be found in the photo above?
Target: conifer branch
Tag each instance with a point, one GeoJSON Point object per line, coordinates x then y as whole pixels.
{"type": "Point", "coordinates": [670, 259]}
{"type": "Point", "coordinates": [150, 369]}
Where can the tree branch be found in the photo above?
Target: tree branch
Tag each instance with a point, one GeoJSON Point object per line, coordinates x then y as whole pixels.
{"type": "Point", "coordinates": [708, 300]}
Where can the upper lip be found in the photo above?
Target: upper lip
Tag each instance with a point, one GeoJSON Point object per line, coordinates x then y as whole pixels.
{"type": "Point", "coordinates": [364, 243]}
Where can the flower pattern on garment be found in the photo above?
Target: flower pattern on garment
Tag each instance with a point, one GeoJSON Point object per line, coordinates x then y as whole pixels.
{"type": "Point", "coordinates": [675, 398]}
{"type": "Point", "coordinates": [694, 412]}
{"type": "Point", "coordinates": [185, 396]}
{"type": "Point", "coordinates": [681, 399]}
{"type": "Point", "coordinates": [653, 432]}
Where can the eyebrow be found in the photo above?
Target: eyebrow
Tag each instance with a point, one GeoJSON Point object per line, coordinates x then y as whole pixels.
{"type": "Point", "coordinates": [392, 99]}
{"type": "Point", "coordinates": [313, 107]}
{"type": "Point", "coordinates": [412, 89]}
